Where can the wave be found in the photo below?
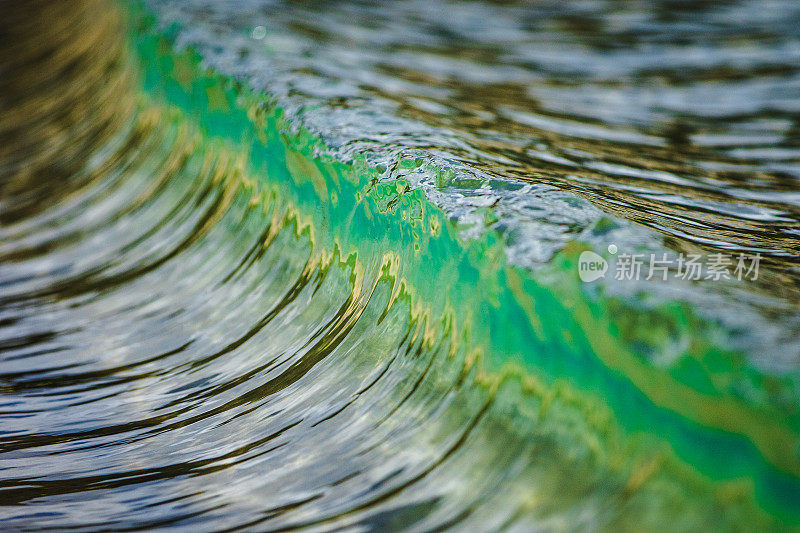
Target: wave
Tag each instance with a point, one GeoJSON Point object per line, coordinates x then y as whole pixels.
{"type": "Point", "coordinates": [207, 319]}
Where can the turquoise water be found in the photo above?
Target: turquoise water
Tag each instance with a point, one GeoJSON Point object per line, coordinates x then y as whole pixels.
{"type": "Point", "coordinates": [247, 304]}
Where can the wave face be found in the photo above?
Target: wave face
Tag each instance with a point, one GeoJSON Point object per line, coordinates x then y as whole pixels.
{"type": "Point", "coordinates": [230, 302]}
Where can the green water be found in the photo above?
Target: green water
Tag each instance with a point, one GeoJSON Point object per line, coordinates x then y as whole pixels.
{"type": "Point", "coordinates": [344, 342]}
{"type": "Point", "coordinates": [552, 336]}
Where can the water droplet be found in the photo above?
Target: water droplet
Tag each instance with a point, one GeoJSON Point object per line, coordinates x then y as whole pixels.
{"type": "Point", "coordinates": [259, 32]}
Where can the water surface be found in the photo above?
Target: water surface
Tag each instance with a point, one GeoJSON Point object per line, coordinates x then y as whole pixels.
{"type": "Point", "coordinates": [318, 269]}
